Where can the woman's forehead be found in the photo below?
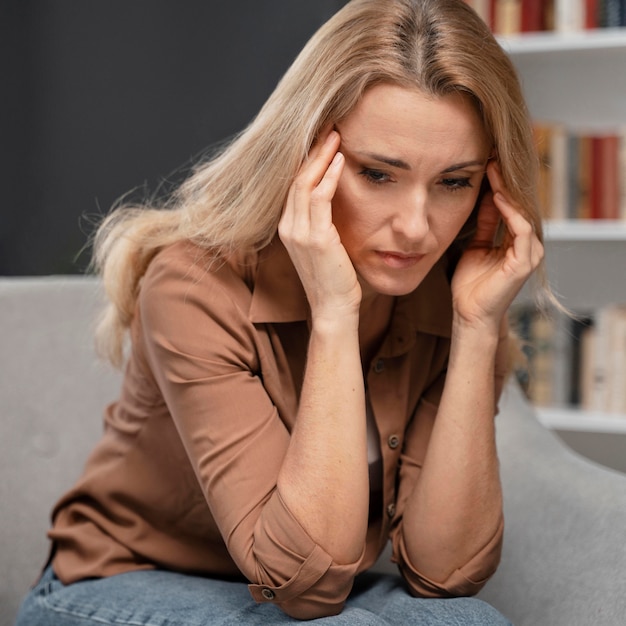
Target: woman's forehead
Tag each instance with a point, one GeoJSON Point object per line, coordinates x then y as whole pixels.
{"type": "Point", "coordinates": [402, 123]}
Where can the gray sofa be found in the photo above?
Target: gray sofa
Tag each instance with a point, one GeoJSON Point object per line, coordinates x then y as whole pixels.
{"type": "Point", "coordinates": [564, 561]}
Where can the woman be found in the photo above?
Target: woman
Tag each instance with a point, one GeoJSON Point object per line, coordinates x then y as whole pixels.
{"type": "Point", "coordinates": [318, 340]}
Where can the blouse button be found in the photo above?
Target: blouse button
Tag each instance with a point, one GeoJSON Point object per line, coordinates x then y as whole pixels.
{"type": "Point", "coordinates": [391, 510]}
{"type": "Point", "coordinates": [268, 594]}
{"type": "Point", "coordinates": [393, 442]}
{"type": "Point", "coordinates": [379, 366]}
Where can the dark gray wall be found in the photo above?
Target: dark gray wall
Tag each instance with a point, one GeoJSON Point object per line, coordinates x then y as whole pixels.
{"type": "Point", "coordinates": [100, 97]}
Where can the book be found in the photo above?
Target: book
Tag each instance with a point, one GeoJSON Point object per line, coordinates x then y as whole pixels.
{"type": "Point", "coordinates": [616, 362]}
{"type": "Point", "coordinates": [580, 329]}
{"type": "Point", "coordinates": [546, 345]}
{"type": "Point", "coordinates": [543, 139]}
{"type": "Point", "coordinates": [507, 17]}
{"type": "Point", "coordinates": [610, 13]}
{"type": "Point", "coordinates": [559, 209]}
{"type": "Point", "coordinates": [569, 15]}
{"type": "Point", "coordinates": [484, 9]}
{"type": "Point", "coordinates": [621, 169]}
{"type": "Point", "coordinates": [596, 174]}
{"type": "Point", "coordinates": [584, 384]}
{"type": "Point", "coordinates": [605, 186]}
{"type": "Point", "coordinates": [603, 387]}
{"type": "Point", "coordinates": [592, 14]}
{"type": "Point", "coordinates": [572, 174]}
{"type": "Point", "coordinates": [581, 201]}
{"type": "Point", "coordinates": [609, 177]}
{"type": "Point", "coordinates": [574, 362]}
{"type": "Point", "coordinates": [533, 15]}
{"type": "Point", "coordinates": [582, 175]}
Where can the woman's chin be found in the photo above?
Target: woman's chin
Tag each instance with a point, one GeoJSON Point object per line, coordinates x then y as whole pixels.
{"type": "Point", "coordinates": [399, 283]}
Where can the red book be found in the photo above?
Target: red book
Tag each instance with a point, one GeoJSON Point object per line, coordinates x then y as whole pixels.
{"type": "Point", "coordinates": [596, 178]}
{"type": "Point", "coordinates": [591, 14]}
{"type": "Point", "coordinates": [605, 185]}
{"type": "Point", "coordinates": [585, 176]}
{"type": "Point", "coordinates": [533, 15]}
{"type": "Point", "coordinates": [610, 178]}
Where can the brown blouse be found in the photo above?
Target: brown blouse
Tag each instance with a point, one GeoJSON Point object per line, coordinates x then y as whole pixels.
{"type": "Point", "coordinates": [184, 477]}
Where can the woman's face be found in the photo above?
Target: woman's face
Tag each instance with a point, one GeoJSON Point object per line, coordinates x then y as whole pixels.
{"type": "Point", "coordinates": [413, 170]}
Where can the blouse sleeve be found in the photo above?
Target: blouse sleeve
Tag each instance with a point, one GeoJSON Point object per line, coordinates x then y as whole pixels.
{"type": "Point", "coordinates": [203, 353]}
{"type": "Point", "coordinates": [472, 576]}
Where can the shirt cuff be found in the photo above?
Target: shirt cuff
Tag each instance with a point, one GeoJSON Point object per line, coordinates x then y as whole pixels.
{"type": "Point", "coordinates": [293, 571]}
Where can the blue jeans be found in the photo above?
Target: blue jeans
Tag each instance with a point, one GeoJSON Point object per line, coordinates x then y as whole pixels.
{"type": "Point", "coordinates": [158, 598]}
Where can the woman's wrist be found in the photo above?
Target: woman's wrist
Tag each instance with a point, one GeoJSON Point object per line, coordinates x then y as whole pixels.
{"type": "Point", "coordinates": [484, 327]}
{"type": "Point", "coordinates": [476, 337]}
{"type": "Point", "coordinates": [339, 324]}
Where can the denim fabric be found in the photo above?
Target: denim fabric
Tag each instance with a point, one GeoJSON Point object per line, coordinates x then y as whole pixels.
{"type": "Point", "coordinates": [158, 598]}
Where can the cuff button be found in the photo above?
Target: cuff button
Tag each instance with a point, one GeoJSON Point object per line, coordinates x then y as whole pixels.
{"type": "Point", "coordinates": [268, 594]}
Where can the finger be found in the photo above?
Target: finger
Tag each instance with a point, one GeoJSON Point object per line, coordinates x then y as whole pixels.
{"type": "Point", "coordinates": [296, 216]}
{"type": "Point", "coordinates": [487, 222]}
{"type": "Point", "coordinates": [318, 161]}
{"type": "Point", "coordinates": [512, 216]}
{"type": "Point", "coordinates": [285, 224]}
{"type": "Point", "coordinates": [520, 229]}
{"type": "Point", "coordinates": [494, 174]}
{"type": "Point", "coordinates": [322, 195]}
{"type": "Point", "coordinates": [319, 142]}
{"type": "Point", "coordinates": [501, 194]}
{"type": "Point", "coordinates": [310, 177]}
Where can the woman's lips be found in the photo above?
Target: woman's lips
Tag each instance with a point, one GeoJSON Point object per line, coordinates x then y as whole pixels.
{"type": "Point", "coordinates": [399, 260]}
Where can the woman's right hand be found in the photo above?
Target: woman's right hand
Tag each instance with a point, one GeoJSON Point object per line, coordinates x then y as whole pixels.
{"type": "Point", "coordinates": [309, 235]}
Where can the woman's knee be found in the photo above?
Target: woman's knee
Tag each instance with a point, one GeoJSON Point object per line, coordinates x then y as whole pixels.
{"type": "Point", "coordinates": [142, 597]}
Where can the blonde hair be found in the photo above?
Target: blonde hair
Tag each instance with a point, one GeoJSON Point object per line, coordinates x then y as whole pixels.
{"type": "Point", "coordinates": [234, 201]}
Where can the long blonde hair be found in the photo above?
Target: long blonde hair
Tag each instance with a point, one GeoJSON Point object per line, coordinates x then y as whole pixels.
{"type": "Point", "coordinates": [234, 200]}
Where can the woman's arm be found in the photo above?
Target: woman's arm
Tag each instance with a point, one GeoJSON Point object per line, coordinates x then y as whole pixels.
{"type": "Point", "coordinates": [233, 407]}
{"type": "Point", "coordinates": [455, 508]}
{"type": "Point", "coordinates": [324, 477]}
{"type": "Point", "coordinates": [292, 507]}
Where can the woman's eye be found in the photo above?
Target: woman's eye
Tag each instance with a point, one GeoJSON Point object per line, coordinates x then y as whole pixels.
{"type": "Point", "coordinates": [454, 184]}
{"type": "Point", "coordinates": [375, 176]}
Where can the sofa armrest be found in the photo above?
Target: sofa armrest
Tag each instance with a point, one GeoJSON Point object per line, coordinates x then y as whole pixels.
{"type": "Point", "coordinates": [564, 557]}
{"type": "Point", "coordinates": [53, 391]}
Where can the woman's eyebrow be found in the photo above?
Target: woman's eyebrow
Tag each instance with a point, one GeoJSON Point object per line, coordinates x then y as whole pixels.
{"type": "Point", "coordinates": [399, 163]}
{"type": "Point", "coordinates": [460, 166]}
{"type": "Point", "coordinates": [403, 165]}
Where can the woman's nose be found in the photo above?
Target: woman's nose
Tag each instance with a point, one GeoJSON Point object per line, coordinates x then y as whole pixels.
{"type": "Point", "coordinates": [411, 218]}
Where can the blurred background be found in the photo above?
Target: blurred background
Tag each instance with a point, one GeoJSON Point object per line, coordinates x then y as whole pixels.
{"type": "Point", "coordinates": [105, 97]}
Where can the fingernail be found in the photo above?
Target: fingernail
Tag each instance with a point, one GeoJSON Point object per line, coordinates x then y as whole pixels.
{"type": "Point", "coordinates": [331, 136]}
{"type": "Point", "coordinates": [337, 160]}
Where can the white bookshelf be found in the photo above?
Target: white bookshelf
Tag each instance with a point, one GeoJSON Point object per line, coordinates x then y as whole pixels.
{"type": "Point", "coordinates": [578, 79]}
{"type": "Point", "coordinates": [585, 231]}
{"type": "Point", "coordinates": [599, 40]}
{"type": "Point", "coordinates": [581, 421]}
{"type": "Point", "coordinates": [574, 78]}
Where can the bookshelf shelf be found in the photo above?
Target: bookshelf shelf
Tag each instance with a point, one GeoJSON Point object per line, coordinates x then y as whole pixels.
{"type": "Point", "coordinates": [573, 78]}
{"type": "Point", "coordinates": [581, 421]}
{"type": "Point", "coordinates": [585, 230]}
{"type": "Point", "coordinates": [600, 39]}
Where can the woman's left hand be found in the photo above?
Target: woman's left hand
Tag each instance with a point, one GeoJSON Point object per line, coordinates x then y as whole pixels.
{"type": "Point", "coordinates": [488, 278]}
